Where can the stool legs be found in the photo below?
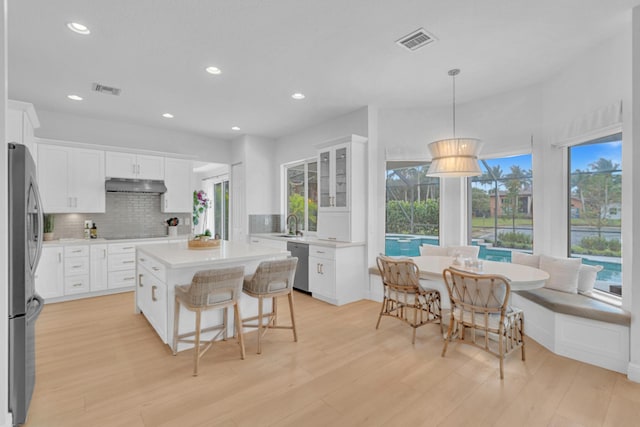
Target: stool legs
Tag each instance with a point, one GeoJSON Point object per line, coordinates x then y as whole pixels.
{"type": "Point", "coordinates": [176, 319]}
{"type": "Point", "coordinates": [238, 323]}
{"type": "Point", "coordinates": [196, 347]}
{"type": "Point", "coordinates": [259, 325]}
{"type": "Point", "coordinates": [293, 319]}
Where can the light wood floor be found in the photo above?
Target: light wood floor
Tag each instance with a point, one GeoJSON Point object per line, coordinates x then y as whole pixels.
{"type": "Point", "coordinates": [99, 364]}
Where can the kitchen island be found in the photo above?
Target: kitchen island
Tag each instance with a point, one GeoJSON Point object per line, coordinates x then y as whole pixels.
{"type": "Point", "coordinates": [159, 268]}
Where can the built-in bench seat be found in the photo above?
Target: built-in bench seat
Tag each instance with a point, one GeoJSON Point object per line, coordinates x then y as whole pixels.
{"type": "Point", "coordinates": [577, 305]}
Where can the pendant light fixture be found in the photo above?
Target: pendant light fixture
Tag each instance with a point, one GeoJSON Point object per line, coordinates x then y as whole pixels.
{"type": "Point", "coordinates": [454, 157]}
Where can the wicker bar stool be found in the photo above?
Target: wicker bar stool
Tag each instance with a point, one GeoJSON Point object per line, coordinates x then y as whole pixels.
{"type": "Point", "coordinates": [271, 280]}
{"type": "Point", "coordinates": [209, 290]}
{"type": "Point", "coordinates": [404, 298]}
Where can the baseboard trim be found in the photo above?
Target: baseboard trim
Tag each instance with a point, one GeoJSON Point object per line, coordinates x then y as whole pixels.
{"type": "Point", "coordinates": [633, 372]}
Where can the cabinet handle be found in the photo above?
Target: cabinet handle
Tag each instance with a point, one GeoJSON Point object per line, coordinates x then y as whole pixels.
{"type": "Point", "coordinates": [77, 285]}
{"type": "Point", "coordinates": [77, 251]}
{"type": "Point", "coordinates": [138, 169]}
{"type": "Point", "coordinates": [155, 268]}
{"type": "Point", "coordinates": [140, 280]}
{"type": "Point", "coordinates": [319, 252]}
{"type": "Point", "coordinates": [75, 202]}
{"type": "Point", "coordinates": [104, 253]}
{"type": "Point", "coordinates": [76, 266]}
{"type": "Point", "coordinates": [133, 166]}
{"type": "Point", "coordinates": [143, 259]}
{"type": "Point", "coordinates": [166, 202]}
{"type": "Point", "coordinates": [153, 293]}
{"type": "Point", "coordinates": [128, 247]}
{"type": "Point", "coordinates": [128, 279]}
{"type": "Point", "coordinates": [128, 262]}
{"type": "Point", "coordinates": [332, 238]}
{"type": "Point", "coordinates": [321, 268]}
{"type": "Point", "coordinates": [59, 257]}
{"type": "Point", "coordinates": [318, 268]}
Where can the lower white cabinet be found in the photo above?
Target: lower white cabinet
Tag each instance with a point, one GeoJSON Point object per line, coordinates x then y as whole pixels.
{"type": "Point", "coordinates": [151, 298]}
{"type": "Point", "coordinates": [50, 273]}
{"type": "Point", "coordinates": [277, 244]}
{"type": "Point", "coordinates": [98, 268]}
{"type": "Point", "coordinates": [337, 275]}
{"type": "Point", "coordinates": [122, 265]}
{"type": "Point", "coordinates": [76, 269]}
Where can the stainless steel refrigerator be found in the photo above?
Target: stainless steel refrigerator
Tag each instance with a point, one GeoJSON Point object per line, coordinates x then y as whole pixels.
{"type": "Point", "coordinates": [25, 247]}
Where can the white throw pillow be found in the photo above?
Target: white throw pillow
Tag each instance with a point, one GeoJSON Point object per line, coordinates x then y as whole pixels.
{"type": "Point", "coordinates": [525, 259]}
{"type": "Point", "coordinates": [433, 250]}
{"type": "Point", "coordinates": [563, 273]}
{"type": "Point", "coordinates": [587, 278]}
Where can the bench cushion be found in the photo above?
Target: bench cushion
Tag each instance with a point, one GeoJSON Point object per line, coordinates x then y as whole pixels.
{"type": "Point", "coordinates": [577, 305]}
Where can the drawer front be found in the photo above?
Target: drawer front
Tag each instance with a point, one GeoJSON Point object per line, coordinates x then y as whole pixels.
{"type": "Point", "coordinates": [118, 262]}
{"type": "Point", "coordinates": [122, 248]}
{"type": "Point", "coordinates": [76, 251]}
{"type": "Point", "coordinates": [322, 252]}
{"type": "Point", "coordinates": [76, 284]}
{"type": "Point", "coordinates": [122, 279]}
{"type": "Point", "coordinates": [75, 266]}
{"type": "Point", "coordinates": [156, 268]}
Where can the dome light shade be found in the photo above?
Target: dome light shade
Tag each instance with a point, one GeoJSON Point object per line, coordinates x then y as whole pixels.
{"type": "Point", "coordinates": [455, 157]}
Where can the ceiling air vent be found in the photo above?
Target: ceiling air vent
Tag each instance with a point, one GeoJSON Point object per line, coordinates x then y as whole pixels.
{"type": "Point", "coordinates": [106, 89]}
{"type": "Point", "coordinates": [417, 39]}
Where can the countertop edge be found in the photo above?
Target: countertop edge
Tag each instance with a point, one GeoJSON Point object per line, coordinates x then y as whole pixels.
{"type": "Point", "coordinates": [103, 241]}
{"type": "Point", "coordinates": [309, 240]}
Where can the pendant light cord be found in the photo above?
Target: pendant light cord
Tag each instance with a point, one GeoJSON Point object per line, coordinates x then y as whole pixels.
{"type": "Point", "coordinates": [454, 105]}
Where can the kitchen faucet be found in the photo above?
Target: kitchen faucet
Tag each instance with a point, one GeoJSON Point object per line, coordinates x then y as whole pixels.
{"type": "Point", "coordinates": [295, 218]}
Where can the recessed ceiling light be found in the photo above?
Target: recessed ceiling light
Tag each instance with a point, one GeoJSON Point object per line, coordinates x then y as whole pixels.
{"type": "Point", "coordinates": [235, 128]}
{"type": "Point", "coordinates": [74, 97]}
{"type": "Point", "coordinates": [298, 96]}
{"type": "Point", "coordinates": [167, 116]}
{"type": "Point", "coordinates": [78, 28]}
{"type": "Point", "coordinates": [213, 70]}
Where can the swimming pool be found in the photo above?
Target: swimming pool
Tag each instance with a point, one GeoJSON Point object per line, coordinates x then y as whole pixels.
{"type": "Point", "coordinates": [409, 245]}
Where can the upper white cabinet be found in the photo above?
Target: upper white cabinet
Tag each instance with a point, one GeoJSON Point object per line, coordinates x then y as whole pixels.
{"type": "Point", "coordinates": [342, 189]}
{"type": "Point", "coordinates": [71, 179]}
{"type": "Point", "coordinates": [21, 120]}
{"type": "Point", "coordinates": [177, 178]}
{"type": "Point", "coordinates": [137, 166]}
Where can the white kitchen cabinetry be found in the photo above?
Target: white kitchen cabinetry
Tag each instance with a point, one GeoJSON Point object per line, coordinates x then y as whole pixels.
{"type": "Point", "coordinates": [135, 166]}
{"type": "Point", "coordinates": [121, 265]}
{"type": "Point", "coordinates": [152, 293]}
{"type": "Point", "coordinates": [21, 120]}
{"type": "Point", "coordinates": [177, 178]}
{"type": "Point", "coordinates": [342, 189]}
{"type": "Point", "coordinates": [71, 179]}
{"type": "Point", "coordinates": [99, 268]}
{"type": "Point", "coordinates": [337, 275]}
{"type": "Point", "coordinates": [50, 273]}
{"type": "Point", "coordinates": [277, 244]}
{"type": "Point", "coordinates": [76, 269]}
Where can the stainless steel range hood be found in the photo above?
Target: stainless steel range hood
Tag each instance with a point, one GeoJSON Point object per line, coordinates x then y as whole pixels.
{"type": "Point", "coordinates": [122, 185]}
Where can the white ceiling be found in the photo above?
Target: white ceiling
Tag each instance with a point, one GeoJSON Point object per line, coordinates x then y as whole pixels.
{"type": "Point", "coordinates": [340, 53]}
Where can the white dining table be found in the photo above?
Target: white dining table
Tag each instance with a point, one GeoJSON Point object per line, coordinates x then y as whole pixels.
{"type": "Point", "coordinates": [521, 277]}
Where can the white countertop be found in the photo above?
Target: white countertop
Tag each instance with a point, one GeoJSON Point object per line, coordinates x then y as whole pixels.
{"type": "Point", "coordinates": [312, 240]}
{"type": "Point", "coordinates": [102, 241]}
{"type": "Point", "coordinates": [178, 255]}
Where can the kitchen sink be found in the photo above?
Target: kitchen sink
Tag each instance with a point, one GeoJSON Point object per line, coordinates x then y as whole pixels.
{"type": "Point", "coordinates": [288, 236]}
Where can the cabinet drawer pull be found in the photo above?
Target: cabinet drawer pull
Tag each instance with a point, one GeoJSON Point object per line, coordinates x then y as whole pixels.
{"type": "Point", "coordinates": [76, 266]}
{"type": "Point", "coordinates": [140, 280]}
{"type": "Point", "coordinates": [155, 268]}
{"type": "Point", "coordinates": [104, 253]}
{"type": "Point", "coordinates": [76, 251]}
{"type": "Point", "coordinates": [153, 293]}
{"type": "Point", "coordinates": [143, 259]}
{"type": "Point", "coordinates": [319, 252]}
{"type": "Point", "coordinates": [128, 262]}
{"type": "Point", "coordinates": [77, 285]}
{"type": "Point", "coordinates": [128, 279]}
{"type": "Point", "coordinates": [332, 238]}
{"type": "Point", "coordinates": [59, 257]}
{"type": "Point", "coordinates": [129, 247]}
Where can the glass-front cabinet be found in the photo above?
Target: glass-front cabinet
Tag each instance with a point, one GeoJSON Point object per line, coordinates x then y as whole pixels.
{"type": "Point", "coordinates": [334, 177]}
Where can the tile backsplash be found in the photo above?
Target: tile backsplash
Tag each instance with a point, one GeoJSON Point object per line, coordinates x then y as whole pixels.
{"type": "Point", "coordinates": [127, 215]}
{"type": "Point", "coordinates": [269, 223]}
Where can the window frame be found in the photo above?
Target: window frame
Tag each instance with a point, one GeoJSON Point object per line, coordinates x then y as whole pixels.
{"type": "Point", "coordinates": [285, 189]}
{"type": "Point", "coordinates": [608, 297]}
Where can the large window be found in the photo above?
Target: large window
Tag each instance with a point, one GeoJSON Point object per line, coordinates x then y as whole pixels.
{"type": "Point", "coordinates": [218, 216]}
{"type": "Point", "coordinates": [595, 202]}
{"type": "Point", "coordinates": [502, 207]}
{"type": "Point", "coordinates": [302, 193]}
{"type": "Point", "coordinates": [412, 208]}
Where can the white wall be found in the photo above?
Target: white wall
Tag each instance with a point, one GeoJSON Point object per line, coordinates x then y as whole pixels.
{"type": "Point", "coordinates": [74, 128]}
{"type": "Point", "coordinates": [5, 417]}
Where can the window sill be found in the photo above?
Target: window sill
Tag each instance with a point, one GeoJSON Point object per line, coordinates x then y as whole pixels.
{"type": "Point", "coordinates": [606, 298]}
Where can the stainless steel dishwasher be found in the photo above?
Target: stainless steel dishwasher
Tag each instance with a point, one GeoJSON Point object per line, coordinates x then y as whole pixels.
{"type": "Point", "coordinates": [301, 251]}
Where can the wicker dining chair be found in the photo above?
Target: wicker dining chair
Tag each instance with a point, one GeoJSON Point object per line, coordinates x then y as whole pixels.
{"type": "Point", "coordinates": [404, 298]}
{"type": "Point", "coordinates": [272, 279]}
{"type": "Point", "coordinates": [209, 290]}
{"type": "Point", "coordinates": [480, 302]}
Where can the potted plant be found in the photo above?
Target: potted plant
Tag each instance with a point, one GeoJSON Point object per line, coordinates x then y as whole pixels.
{"type": "Point", "coordinates": [172, 224]}
{"type": "Point", "coordinates": [47, 227]}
